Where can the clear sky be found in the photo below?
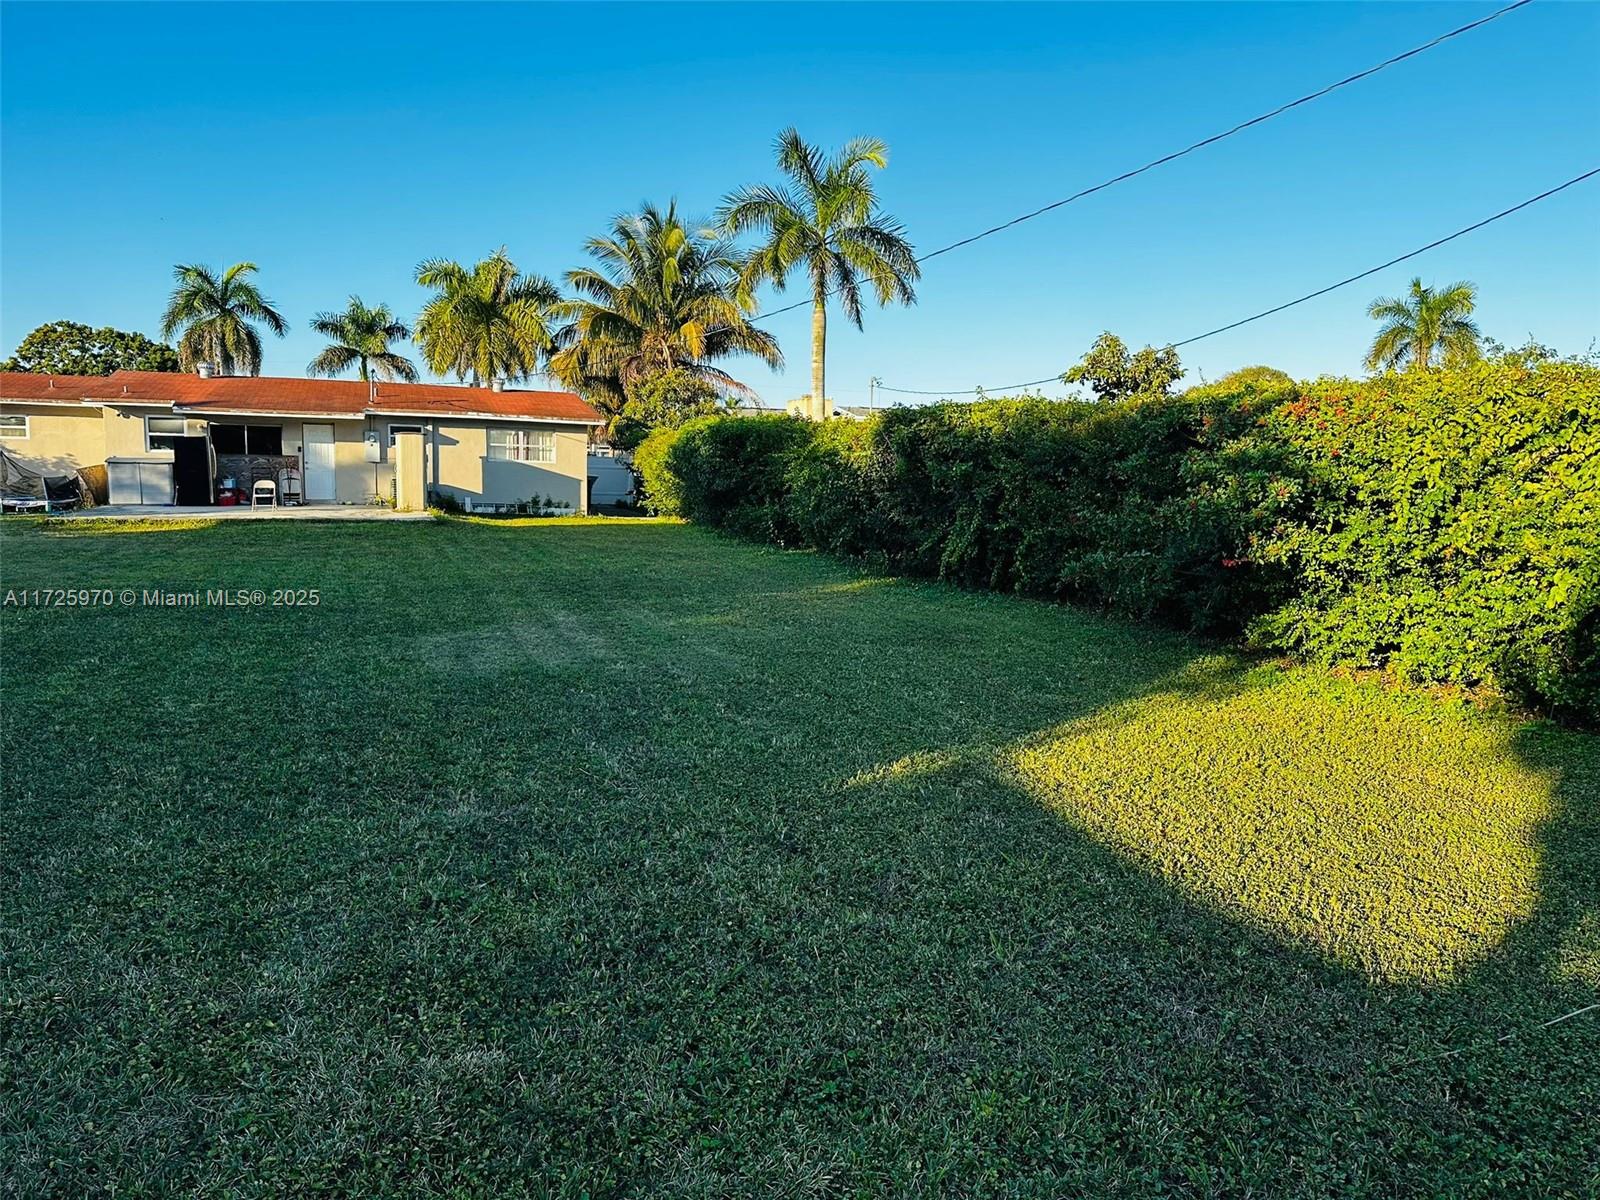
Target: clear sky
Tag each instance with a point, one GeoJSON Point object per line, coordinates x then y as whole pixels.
{"type": "Point", "coordinates": [336, 145]}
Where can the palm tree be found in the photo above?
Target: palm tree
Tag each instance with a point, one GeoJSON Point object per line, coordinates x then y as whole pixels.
{"type": "Point", "coordinates": [1421, 322]}
{"type": "Point", "coordinates": [662, 297]}
{"type": "Point", "coordinates": [361, 336]}
{"type": "Point", "coordinates": [488, 323]}
{"type": "Point", "coordinates": [216, 314]}
{"type": "Point", "coordinates": [824, 219]}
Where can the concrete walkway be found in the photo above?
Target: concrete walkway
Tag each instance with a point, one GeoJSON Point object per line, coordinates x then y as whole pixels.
{"type": "Point", "coordinates": [243, 512]}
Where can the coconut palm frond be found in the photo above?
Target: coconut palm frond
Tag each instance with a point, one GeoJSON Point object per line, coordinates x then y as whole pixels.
{"type": "Point", "coordinates": [487, 322]}
{"type": "Point", "coordinates": [214, 317]}
{"type": "Point", "coordinates": [662, 294]}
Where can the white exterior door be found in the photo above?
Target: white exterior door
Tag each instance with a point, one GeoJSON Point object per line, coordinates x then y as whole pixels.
{"type": "Point", "coordinates": [316, 443]}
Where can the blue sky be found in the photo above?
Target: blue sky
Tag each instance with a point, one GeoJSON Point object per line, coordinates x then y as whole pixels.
{"type": "Point", "coordinates": [337, 145]}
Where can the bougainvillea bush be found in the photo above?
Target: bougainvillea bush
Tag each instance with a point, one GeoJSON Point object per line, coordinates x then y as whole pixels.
{"type": "Point", "coordinates": [1441, 525]}
{"type": "Point", "coordinates": [1454, 529]}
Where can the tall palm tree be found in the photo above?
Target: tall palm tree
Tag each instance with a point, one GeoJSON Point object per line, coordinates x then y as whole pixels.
{"type": "Point", "coordinates": [662, 297]}
{"type": "Point", "coordinates": [217, 315]}
{"type": "Point", "coordinates": [1422, 322]}
{"type": "Point", "coordinates": [488, 322]}
{"type": "Point", "coordinates": [824, 219]}
{"type": "Point", "coordinates": [361, 337]}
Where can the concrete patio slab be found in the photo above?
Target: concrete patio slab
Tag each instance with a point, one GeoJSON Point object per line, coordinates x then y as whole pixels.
{"type": "Point", "coordinates": [298, 512]}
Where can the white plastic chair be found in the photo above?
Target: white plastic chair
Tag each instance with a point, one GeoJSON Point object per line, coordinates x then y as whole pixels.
{"type": "Point", "coordinates": [264, 488]}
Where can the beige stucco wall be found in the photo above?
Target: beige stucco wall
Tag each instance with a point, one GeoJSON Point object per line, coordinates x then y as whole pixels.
{"type": "Point", "coordinates": [355, 479]}
{"type": "Point", "coordinates": [456, 456]}
{"type": "Point", "coordinates": [124, 435]}
{"type": "Point", "coordinates": [460, 465]}
{"type": "Point", "coordinates": [455, 452]}
{"type": "Point", "coordinates": [410, 483]}
{"type": "Point", "coordinates": [60, 439]}
{"type": "Point", "coordinates": [352, 474]}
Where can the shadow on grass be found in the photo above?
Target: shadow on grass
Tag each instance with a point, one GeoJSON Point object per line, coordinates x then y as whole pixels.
{"type": "Point", "coordinates": [1361, 1008]}
{"type": "Point", "coordinates": [1379, 995]}
{"type": "Point", "coordinates": [633, 861]}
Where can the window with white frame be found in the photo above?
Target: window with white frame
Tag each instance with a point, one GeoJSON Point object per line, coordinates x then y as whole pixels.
{"type": "Point", "coordinates": [523, 445]}
{"type": "Point", "coordinates": [13, 426]}
{"type": "Point", "coordinates": [394, 429]}
{"type": "Point", "coordinates": [162, 433]}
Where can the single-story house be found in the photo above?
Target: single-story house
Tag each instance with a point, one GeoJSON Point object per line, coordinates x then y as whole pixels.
{"type": "Point", "coordinates": [168, 438]}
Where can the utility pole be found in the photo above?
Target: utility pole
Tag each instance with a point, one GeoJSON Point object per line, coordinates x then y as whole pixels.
{"type": "Point", "coordinates": [872, 391]}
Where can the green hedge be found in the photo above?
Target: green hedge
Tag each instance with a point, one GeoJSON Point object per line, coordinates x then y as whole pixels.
{"type": "Point", "coordinates": [659, 484]}
{"type": "Point", "coordinates": [1442, 525]}
{"type": "Point", "coordinates": [1455, 530]}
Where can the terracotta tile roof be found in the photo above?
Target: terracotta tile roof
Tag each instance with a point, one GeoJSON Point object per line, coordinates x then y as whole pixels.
{"type": "Point", "coordinates": [54, 389]}
{"type": "Point", "coordinates": [268, 395]}
{"type": "Point", "coordinates": [513, 402]}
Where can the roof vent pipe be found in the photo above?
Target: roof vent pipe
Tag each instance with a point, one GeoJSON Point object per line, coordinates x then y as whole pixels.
{"type": "Point", "coordinates": [497, 385]}
{"type": "Point", "coordinates": [205, 370]}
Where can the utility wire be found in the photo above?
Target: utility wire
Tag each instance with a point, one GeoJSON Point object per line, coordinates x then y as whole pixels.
{"type": "Point", "coordinates": [1280, 307]}
{"type": "Point", "coordinates": [1177, 154]}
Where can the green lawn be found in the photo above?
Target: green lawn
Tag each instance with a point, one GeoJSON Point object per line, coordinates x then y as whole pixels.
{"type": "Point", "coordinates": [605, 858]}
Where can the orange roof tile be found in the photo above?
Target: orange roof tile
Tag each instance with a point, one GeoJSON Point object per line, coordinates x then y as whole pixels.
{"type": "Point", "coordinates": [54, 389]}
{"type": "Point", "coordinates": [245, 394]}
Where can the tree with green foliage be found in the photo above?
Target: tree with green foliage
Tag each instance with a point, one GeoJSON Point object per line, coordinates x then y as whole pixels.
{"type": "Point", "coordinates": [1531, 353]}
{"type": "Point", "coordinates": [484, 323]}
{"type": "Point", "coordinates": [68, 348]}
{"type": "Point", "coordinates": [1263, 379]}
{"type": "Point", "coordinates": [662, 299]}
{"type": "Point", "coordinates": [1114, 374]}
{"type": "Point", "coordinates": [360, 337]}
{"type": "Point", "coordinates": [216, 316]}
{"type": "Point", "coordinates": [665, 400]}
{"type": "Point", "coordinates": [825, 220]}
{"type": "Point", "coordinates": [1423, 323]}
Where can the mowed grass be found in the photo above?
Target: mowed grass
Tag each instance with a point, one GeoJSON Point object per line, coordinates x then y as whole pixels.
{"type": "Point", "coordinates": [610, 858]}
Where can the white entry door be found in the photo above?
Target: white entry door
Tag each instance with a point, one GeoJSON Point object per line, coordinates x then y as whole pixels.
{"type": "Point", "coordinates": [316, 442]}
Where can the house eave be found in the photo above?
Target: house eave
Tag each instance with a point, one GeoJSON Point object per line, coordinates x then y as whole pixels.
{"type": "Point", "coordinates": [63, 403]}
{"type": "Point", "coordinates": [275, 414]}
{"type": "Point", "coordinates": [481, 416]}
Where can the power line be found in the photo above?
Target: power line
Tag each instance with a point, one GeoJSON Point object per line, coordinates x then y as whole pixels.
{"type": "Point", "coordinates": [1289, 304]}
{"type": "Point", "coordinates": [1177, 154]}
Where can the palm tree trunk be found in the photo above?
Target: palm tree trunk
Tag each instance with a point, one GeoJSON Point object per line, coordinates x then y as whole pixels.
{"type": "Point", "coordinates": [819, 356]}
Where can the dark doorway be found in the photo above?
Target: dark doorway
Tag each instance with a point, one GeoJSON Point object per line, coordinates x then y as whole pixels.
{"type": "Point", "coordinates": [191, 471]}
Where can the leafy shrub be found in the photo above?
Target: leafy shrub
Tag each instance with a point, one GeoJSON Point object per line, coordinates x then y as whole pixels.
{"type": "Point", "coordinates": [1561, 674]}
{"type": "Point", "coordinates": [445, 502]}
{"type": "Point", "coordinates": [1149, 508]}
{"type": "Point", "coordinates": [731, 472]}
{"type": "Point", "coordinates": [1262, 378]}
{"type": "Point", "coordinates": [832, 482]}
{"type": "Point", "coordinates": [1455, 532]}
{"type": "Point", "coordinates": [650, 461]}
{"type": "Point", "coordinates": [1444, 525]}
{"type": "Point", "coordinates": [668, 398]}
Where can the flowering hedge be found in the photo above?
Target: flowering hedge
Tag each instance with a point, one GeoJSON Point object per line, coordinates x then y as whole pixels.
{"type": "Point", "coordinates": [1454, 533]}
{"type": "Point", "coordinates": [1442, 525]}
